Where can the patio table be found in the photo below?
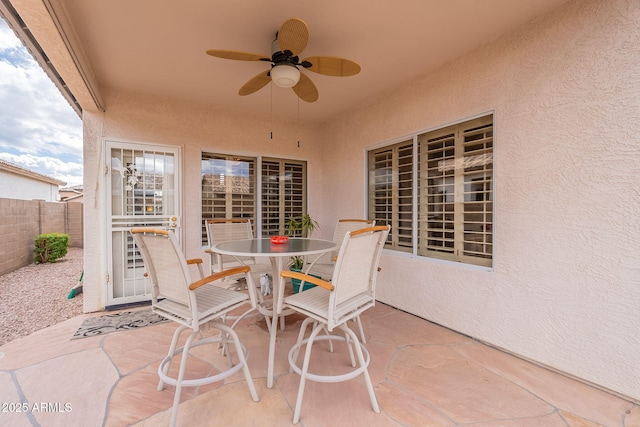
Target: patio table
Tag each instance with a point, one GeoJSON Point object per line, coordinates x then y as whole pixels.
{"type": "Point", "coordinates": [276, 253]}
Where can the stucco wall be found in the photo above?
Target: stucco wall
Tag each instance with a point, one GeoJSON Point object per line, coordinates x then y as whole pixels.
{"type": "Point", "coordinates": [565, 290]}
{"type": "Point", "coordinates": [140, 118]}
{"type": "Point", "coordinates": [564, 89]}
{"type": "Point", "coordinates": [14, 186]}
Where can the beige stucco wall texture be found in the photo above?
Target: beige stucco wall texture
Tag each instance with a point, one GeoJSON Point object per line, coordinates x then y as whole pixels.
{"type": "Point", "coordinates": [565, 287]}
{"type": "Point", "coordinates": [193, 128]}
{"type": "Point", "coordinates": [23, 188]}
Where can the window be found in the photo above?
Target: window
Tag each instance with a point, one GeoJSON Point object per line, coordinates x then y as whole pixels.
{"type": "Point", "coordinates": [454, 196]}
{"type": "Point", "coordinates": [283, 193]}
{"type": "Point", "coordinates": [456, 200]}
{"type": "Point", "coordinates": [391, 193]}
{"type": "Point", "coordinates": [229, 190]}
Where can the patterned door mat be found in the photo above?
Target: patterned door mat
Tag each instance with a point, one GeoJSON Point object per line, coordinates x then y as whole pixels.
{"type": "Point", "coordinates": [115, 322]}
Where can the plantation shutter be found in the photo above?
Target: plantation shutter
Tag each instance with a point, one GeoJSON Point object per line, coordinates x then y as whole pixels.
{"type": "Point", "coordinates": [478, 192]}
{"type": "Point", "coordinates": [228, 188]}
{"type": "Point", "coordinates": [391, 192]}
{"type": "Point", "coordinates": [283, 193]}
{"type": "Point", "coordinates": [437, 190]}
{"type": "Point", "coordinates": [456, 194]}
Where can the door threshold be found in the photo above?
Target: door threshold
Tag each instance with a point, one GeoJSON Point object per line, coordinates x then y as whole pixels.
{"type": "Point", "coordinates": [127, 305]}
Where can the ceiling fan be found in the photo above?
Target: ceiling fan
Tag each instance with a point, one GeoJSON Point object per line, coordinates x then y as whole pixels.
{"type": "Point", "coordinates": [290, 41]}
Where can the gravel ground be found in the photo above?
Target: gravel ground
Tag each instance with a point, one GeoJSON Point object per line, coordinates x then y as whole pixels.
{"type": "Point", "coordinates": [35, 297]}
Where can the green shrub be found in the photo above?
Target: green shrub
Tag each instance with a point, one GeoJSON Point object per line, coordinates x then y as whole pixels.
{"type": "Point", "coordinates": [50, 247]}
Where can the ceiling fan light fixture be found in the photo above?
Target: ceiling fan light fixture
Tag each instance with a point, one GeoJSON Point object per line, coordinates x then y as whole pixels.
{"type": "Point", "coordinates": [284, 75]}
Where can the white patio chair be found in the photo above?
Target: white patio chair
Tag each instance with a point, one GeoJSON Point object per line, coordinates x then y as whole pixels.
{"type": "Point", "coordinates": [191, 304]}
{"type": "Point", "coordinates": [325, 265]}
{"type": "Point", "coordinates": [331, 305]}
{"type": "Point", "coordinates": [224, 230]}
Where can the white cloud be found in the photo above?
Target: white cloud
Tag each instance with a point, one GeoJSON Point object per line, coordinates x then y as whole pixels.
{"type": "Point", "coordinates": [38, 128]}
{"type": "Point", "coordinates": [7, 36]}
{"type": "Point", "coordinates": [69, 172]}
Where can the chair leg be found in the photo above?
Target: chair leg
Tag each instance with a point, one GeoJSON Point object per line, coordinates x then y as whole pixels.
{"type": "Point", "coordinates": [349, 341]}
{"type": "Point", "coordinates": [327, 332]}
{"type": "Point", "coordinates": [303, 330]}
{"type": "Point", "coordinates": [172, 349]}
{"type": "Point", "coordinates": [365, 372]}
{"type": "Point", "coordinates": [241, 359]}
{"type": "Point", "coordinates": [305, 369]}
{"type": "Point", "coordinates": [183, 366]}
{"type": "Point", "coordinates": [268, 320]}
{"type": "Point", "coordinates": [223, 342]}
{"type": "Point", "coordinates": [228, 335]}
{"type": "Point", "coordinates": [362, 338]}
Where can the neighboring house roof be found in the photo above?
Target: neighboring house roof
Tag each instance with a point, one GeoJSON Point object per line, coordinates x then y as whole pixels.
{"type": "Point", "coordinates": [72, 198]}
{"type": "Point", "coordinates": [78, 189]}
{"type": "Point", "coordinates": [68, 194]}
{"type": "Point", "coordinates": [19, 170]}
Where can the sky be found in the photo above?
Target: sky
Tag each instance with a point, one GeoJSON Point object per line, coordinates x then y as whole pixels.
{"type": "Point", "coordinates": [38, 128]}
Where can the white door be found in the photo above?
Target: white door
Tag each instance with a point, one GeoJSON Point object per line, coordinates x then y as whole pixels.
{"type": "Point", "coordinates": [142, 190]}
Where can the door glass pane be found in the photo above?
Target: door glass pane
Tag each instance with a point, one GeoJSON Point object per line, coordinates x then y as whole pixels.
{"type": "Point", "coordinates": [142, 183]}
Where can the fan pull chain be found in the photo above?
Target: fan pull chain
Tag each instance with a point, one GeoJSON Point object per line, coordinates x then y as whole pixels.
{"type": "Point", "coordinates": [298, 120]}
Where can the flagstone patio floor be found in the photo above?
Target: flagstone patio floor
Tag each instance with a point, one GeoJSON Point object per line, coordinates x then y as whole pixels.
{"type": "Point", "coordinates": [423, 374]}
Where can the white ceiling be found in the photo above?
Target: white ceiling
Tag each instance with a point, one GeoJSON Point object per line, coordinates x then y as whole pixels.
{"type": "Point", "coordinates": [158, 46]}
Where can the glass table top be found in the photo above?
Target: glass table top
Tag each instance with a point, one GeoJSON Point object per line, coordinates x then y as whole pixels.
{"type": "Point", "coordinates": [264, 247]}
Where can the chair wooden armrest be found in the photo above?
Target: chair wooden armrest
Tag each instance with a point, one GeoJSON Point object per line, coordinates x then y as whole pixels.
{"type": "Point", "coordinates": [149, 230]}
{"type": "Point", "coordinates": [218, 276]}
{"type": "Point", "coordinates": [370, 230]}
{"type": "Point", "coordinates": [198, 263]}
{"type": "Point", "coordinates": [364, 221]}
{"type": "Point", "coordinates": [307, 278]}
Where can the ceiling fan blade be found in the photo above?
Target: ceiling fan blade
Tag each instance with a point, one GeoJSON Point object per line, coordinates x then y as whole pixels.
{"type": "Point", "coordinates": [333, 66]}
{"type": "Point", "coordinates": [237, 55]}
{"type": "Point", "coordinates": [305, 89]}
{"type": "Point", "coordinates": [255, 84]}
{"type": "Point", "coordinates": [293, 35]}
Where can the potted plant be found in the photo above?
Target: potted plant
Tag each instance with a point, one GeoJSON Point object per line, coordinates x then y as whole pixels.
{"type": "Point", "coordinates": [301, 226]}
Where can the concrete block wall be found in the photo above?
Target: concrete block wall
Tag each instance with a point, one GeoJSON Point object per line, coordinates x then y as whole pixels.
{"type": "Point", "coordinates": [52, 217]}
{"type": "Point", "coordinates": [75, 224]}
{"type": "Point", "coordinates": [22, 220]}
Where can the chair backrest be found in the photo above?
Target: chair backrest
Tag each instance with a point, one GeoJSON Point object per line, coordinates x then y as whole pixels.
{"type": "Point", "coordinates": [165, 264]}
{"type": "Point", "coordinates": [345, 225]}
{"type": "Point", "coordinates": [224, 230]}
{"type": "Point", "coordinates": [357, 264]}
{"type": "Point", "coordinates": [342, 227]}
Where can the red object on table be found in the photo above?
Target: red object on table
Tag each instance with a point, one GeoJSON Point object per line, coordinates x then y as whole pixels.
{"type": "Point", "coordinates": [279, 240]}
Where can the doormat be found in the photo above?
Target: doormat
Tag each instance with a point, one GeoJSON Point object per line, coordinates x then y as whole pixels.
{"type": "Point", "coordinates": [115, 322]}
